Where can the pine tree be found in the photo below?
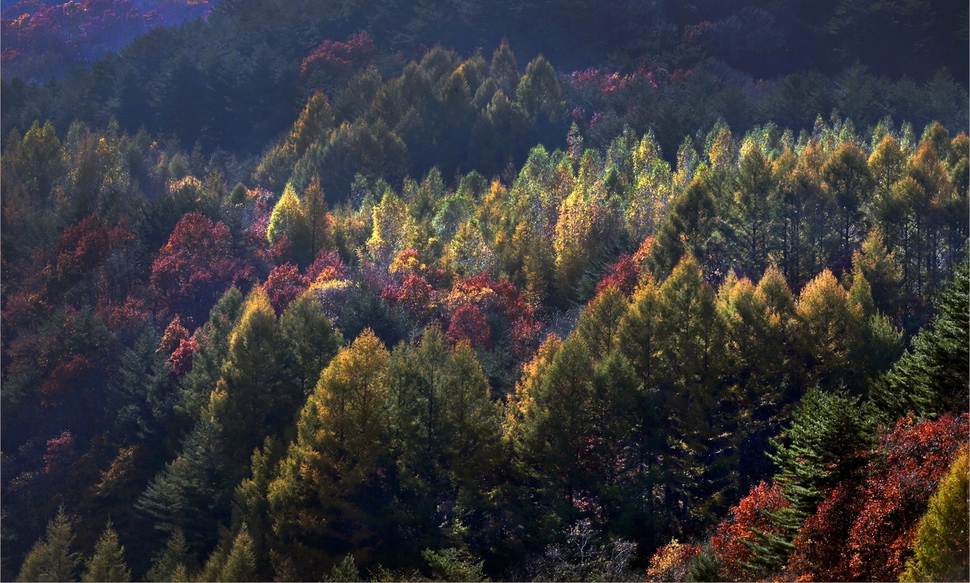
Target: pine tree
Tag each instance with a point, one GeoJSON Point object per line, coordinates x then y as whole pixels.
{"type": "Point", "coordinates": [207, 360]}
{"type": "Point", "coordinates": [504, 70]}
{"type": "Point", "coordinates": [51, 558]}
{"type": "Point", "coordinates": [289, 220]}
{"type": "Point", "coordinates": [108, 561]}
{"type": "Point", "coordinates": [343, 570]}
{"type": "Point", "coordinates": [187, 495]}
{"type": "Point", "coordinates": [826, 442]}
{"type": "Point", "coordinates": [931, 378]}
{"type": "Point", "coordinates": [444, 429]}
{"type": "Point", "coordinates": [328, 496]}
{"type": "Point", "coordinates": [240, 564]}
{"type": "Point", "coordinates": [251, 398]}
{"type": "Point", "coordinates": [310, 340]}
{"type": "Point", "coordinates": [167, 564]}
{"type": "Point", "coordinates": [940, 550]}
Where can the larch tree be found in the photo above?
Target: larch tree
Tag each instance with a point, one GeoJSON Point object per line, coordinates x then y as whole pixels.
{"type": "Point", "coordinates": [940, 550]}
{"type": "Point", "coordinates": [108, 561]}
{"type": "Point", "coordinates": [52, 557]}
{"type": "Point", "coordinates": [329, 489]}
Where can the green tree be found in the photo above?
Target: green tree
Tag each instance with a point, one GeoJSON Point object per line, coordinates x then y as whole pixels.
{"type": "Point", "coordinates": [240, 564]}
{"type": "Point", "coordinates": [108, 561]}
{"type": "Point", "coordinates": [289, 220]}
{"type": "Point", "coordinates": [503, 70]}
{"type": "Point", "coordinates": [168, 563]}
{"type": "Point", "coordinates": [310, 341]}
{"type": "Point", "coordinates": [825, 442]}
{"type": "Point", "coordinates": [51, 558]}
{"type": "Point", "coordinates": [343, 570]}
{"type": "Point", "coordinates": [931, 377]}
{"type": "Point", "coordinates": [453, 564]}
{"type": "Point", "coordinates": [445, 430]}
{"type": "Point", "coordinates": [328, 495]}
{"type": "Point", "coordinates": [940, 549]}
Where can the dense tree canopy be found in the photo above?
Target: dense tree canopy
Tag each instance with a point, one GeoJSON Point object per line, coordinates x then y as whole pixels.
{"type": "Point", "coordinates": [311, 295]}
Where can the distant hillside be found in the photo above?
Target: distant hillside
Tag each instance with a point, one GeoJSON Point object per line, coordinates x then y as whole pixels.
{"type": "Point", "coordinates": [43, 39]}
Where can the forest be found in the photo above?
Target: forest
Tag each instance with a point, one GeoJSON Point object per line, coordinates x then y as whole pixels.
{"type": "Point", "coordinates": [449, 290]}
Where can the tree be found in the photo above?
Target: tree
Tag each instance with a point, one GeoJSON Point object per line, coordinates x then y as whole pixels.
{"type": "Point", "coordinates": [251, 398]}
{"type": "Point", "coordinates": [831, 330]}
{"type": "Point", "coordinates": [445, 430]}
{"type": "Point", "coordinates": [51, 558]}
{"type": "Point", "coordinates": [195, 266]}
{"type": "Point", "coordinates": [283, 284]}
{"type": "Point", "coordinates": [328, 495]}
{"type": "Point", "coordinates": [866, 525]}
{"type": "Point", "coordinates": [240, 565]}
{"type": "Point", "coordinates": [846, 178]}
{"type": "Point", "coordinates": [504, 70]}
{"type": "Point", "coordinates": [108, 561]}
{"type": "Point", "coordinates": [930, 378]}
{"type": "Point", "coordinates": [826, 441]}
{"type": "Point", "coordinates": [538, 92]}
{"type": "Point", "coordinates": [344, 570]}
{"type": "Point", "coordinates": [453, 564]}
{"type": "Point", "coordinates": [310, 341]}
{"type": "Point", "coordinates": [171, 560]}
{"type": "Point", "coordinates": [290, 221]}
{"type": "Point", "coordinates": [754, 206]}
{"type": "Point", "coordinates": [940, 550]}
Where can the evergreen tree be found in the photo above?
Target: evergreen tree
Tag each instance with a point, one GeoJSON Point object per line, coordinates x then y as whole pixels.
{"type": "Point", "coordinates": [185, 496]}
{"type": "Point", "coordinates": [940, 550]}
{"type": "Point", "coordinates": [826, 442]}
{"type": "Point", "coordinates": [310, 340]}
{"type": "Point", "coordinates": [931, 378]}
{"type": "Point", "coordinates": [208, 358]}
{"type": "Point", "coordinates": [167, 564]}
{"type": "Point", "coordinates": [240, 564]}
{"type": "Point", "coordinates": [329, 492]}
{"type": "Point", "coordinates": [108, 561]}
{"type": "Point", "coordinates": [344, 570]}
{"type": "Point", "coordinates": [51, 558]}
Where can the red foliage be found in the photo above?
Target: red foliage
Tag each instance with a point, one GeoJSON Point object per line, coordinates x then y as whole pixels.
{"type": "Point", "coordinates": [328, 265]}
{"type": "Point", "coordinates": [126, 318]}
{"type": "Point", "coordinates": [414, 293]}
{"type": "Point", "coordinates": [339, 56]}
{"type": "Point", "coordinates": [747, 517]}
{"type": "Point", "coordinates": [181, 358]}
{"type": "Point", "coordinates": [195, 266]}
{"type": "Point", "coordinates": [469, 324]}
{"type": "Point", "coordinates": [59, 453]}
{"type": "Point", "coordinates": [612, 82]}
{"type": "Point", "coordinates": [82, 247]}
{"type": "Point", "coordinates": [503, 306]}
{"type": "Point", "coordinates": [174, 334]}
{"type": "Point", "coordinates": [864, 530]}
{"type": "Point", "coordinates": [283, 285]}
{"type": "Point", "coordinates": [623, 275]}
{"type": "Point", "coordinates": [84, 29]}
{"type": "Point", "coordinates": [65, 376]}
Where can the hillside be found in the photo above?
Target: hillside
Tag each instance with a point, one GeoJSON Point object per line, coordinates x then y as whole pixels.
{"type": "Point", "coordinates": [459, 291]}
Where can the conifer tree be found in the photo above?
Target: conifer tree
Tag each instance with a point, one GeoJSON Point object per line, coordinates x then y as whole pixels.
{"type": "Point", "coordinates": [827, 440]}
{"type": "Point", "coordinates": [327, 497]}
{"type": "Point", "coordinates": [171, 560]}
{"type": "Point", "coordinates": [940, 550]}
{"type": "Point", "coordinates": [108, 562]}
{"type": "Point", "coordinates": [931, 377]}
{"type": "Point", "coordinates": [240, 564]}
{"type": "Point", "coordinates": [51, 558]}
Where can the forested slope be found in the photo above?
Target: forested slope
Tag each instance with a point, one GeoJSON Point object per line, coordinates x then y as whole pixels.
{"type": "Point", "coordinates": [473, 315]}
